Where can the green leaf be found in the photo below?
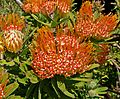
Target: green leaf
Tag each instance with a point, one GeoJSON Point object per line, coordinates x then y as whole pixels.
{"type": "Point", "coordinates": [11, 88]}
{"type": "Point", "coordinates": [22, 80]}
{"type": "Point", "coordinates": [62, 87]}
{"type": "Point", "coordinates": [4, 77]}
{"type": "Point", "coordinates": [33, 78]}
{"type": "Point", "coordinates": [92, 66]}
{"type": "Point", "coordinates": [93, 84]}
{"type": "Point", "coordinates": [10, 63]}
{"type": "Point", "coordinates": [54, 85]}
{"type": "Point", "coordinates": [17, 60]}
{"type": "Point", "coordinates": [81, 79]}
{"type": "Point", "coordinates": [54, 24]}
{"type": "Point", "coordinates": [79, 84]}
{"type": "Point", "coordinates": [39, 92]}
{"type": "Point", "coordinates": [3, 62]}
{"type": "Point", "coordinates": [101, 90]}
{"type": "Point", "coordinates": [14, 97]}
{"type": "Point", "coordinates": [29, 91]}
{"type": "Point", "coordinates": [36, 18]}
{"type": "Point", "coordinates": [50, 92]}
{"type": "Point", "coordinates": [72, 17]}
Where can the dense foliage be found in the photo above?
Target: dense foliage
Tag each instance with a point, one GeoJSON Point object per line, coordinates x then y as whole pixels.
{"type": "Point", "coordinates": [59, 49]}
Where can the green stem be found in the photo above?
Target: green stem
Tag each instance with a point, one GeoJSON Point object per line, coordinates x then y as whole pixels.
{"type": "Point", "coordinates": [30, 34]}
{"type": "Point", "coordinates": [36, 18]}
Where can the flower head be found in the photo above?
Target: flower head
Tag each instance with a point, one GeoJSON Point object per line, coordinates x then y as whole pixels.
{"type": "Point", "coordinates": [12, 26]}
{"type": "Point", "coordinates": [104, 25]}
{"type": "Point", "coordinates": [46, 6]}
{"type": "Point", "coordinates": [86, 9]}
{"type": "Point", "coordinates": [87, 26]}
{"type": "Point", "coordinates": [84, 24]}
{"type": "Point", "coordinates": [61, 55]}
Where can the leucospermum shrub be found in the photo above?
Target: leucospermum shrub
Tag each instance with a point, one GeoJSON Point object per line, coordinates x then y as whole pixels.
{"type": "Point", "coordinates": [51, 51]}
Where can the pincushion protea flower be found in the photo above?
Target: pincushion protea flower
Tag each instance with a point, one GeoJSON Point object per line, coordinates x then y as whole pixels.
{"type": "Point", "coordinates": [61, 55]}
{"type": "Point", "coordinates": [46, 6]}
{"type": "Point", "coordinates": [104, 25]}
{"type": "Point", "coordinates": [87, 26]}
{"type": "Point", "coordinates": [12, 25]}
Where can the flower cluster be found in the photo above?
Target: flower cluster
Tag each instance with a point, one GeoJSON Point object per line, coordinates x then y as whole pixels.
{"type": "Point", "coordinates": [87, 25]}
{"type": "Point", "coordinates": [62, 55]}
{"type": "Point", "coordinates": [11, 26]}
{"type": "Point", "coordinates": [46, 6]}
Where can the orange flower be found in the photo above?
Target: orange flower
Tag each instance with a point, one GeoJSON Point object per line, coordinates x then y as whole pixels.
{"type": "Point", "coordinates": [1, 91]}
{"type": "Point", "coordinates": [46, 6]}
{"type": "Point", "coordinates": [64, 6]}
{"type": "Point", "coordinates": [12, 25]}
{"type": "Point", "coordinates": [86, 9]}
{"type": "Point", "coordinates": [62, 55]}
{"type": "Point", "coordinates": [86, 26]}
{"type": "Point", "coordinates": [104, 25]}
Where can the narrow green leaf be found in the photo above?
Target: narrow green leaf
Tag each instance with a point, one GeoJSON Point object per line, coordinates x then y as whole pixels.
{"type": "Point", "coordinates": [22, 80]}
{"type": "Point", "coordinates": [92, 66]}
{"type": "Point", "coordinates": [81, 79]}
{"type": "Point", "coordinates": [62, 87]}
{"type": "Point", "coordinates": [29, 91]}
{"type": "Point", "coordinates": [4, 78]}
{"type": "Point", "coordinates": [54, 85]}
{"type": "Point", "coordinates": [11, 88]}
{"type": "Point", "coordinates": [39, 91]}
{"type": "Point", "coordinates": [54, 24]}
{"type": "Point", "coordinates": [100, 89]}
{"type": "Point", "coordinates": [36, 18]}
{"type": "Point", "coordinates": [3, 62]}
{"type": "Point", "coordinates": [35, 93]}
{"type": "Point", "coordinates": [80, 84]}
{"type": "Point", "coordinates": [72, 17]}
{"type": "Point", "coordinates": [17, 60]}
{"type": "Point", "coordinates": [33, 78]}
{"type": "Point", "coordinates": [14, 97]}
{"type": "Point", "coordinates": [10, 63]}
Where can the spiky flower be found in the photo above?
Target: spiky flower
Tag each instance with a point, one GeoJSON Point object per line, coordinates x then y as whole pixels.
{"type": "Point", "coordinates": [46, 6]}
{"type": "Point", "coordinates": [87, 26]}
{"type": "Point", "coordinates": [12, 26]}
{"type": "Point", "coordinates": [62, 55]}
{"type": "Point", "coordinates": [104, 25]}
